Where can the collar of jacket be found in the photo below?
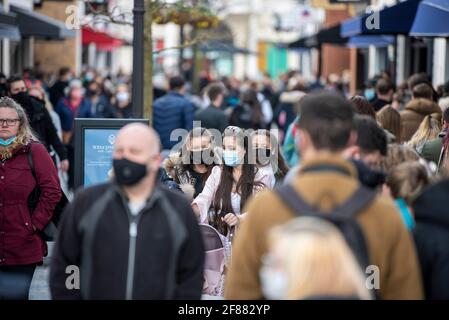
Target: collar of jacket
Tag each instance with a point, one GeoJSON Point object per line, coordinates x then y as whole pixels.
{"type": "Point", "coordinates": [175, 93]}
{"type": "Point", "coordinates": [329, 160]}
{"type": "Point", "coordinates": [423, 106]}
{"type": "Point", "coordinates": [155, 196]}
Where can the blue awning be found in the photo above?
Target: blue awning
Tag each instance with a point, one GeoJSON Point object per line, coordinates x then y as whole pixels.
{"type": "Point", "coordinates": [432, 19]}
{"type": "Point", "coordinates": [366, 41]}
{"type": "Point", "coordinates": [8, 25]}
{"type": "Point", "coordinates": [397, 19]}
{"type": "Point", "coordinates": [9, 32]}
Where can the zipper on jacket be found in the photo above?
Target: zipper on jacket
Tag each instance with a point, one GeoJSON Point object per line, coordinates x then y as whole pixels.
{"type": "Point", "coordinates": [131, 257]}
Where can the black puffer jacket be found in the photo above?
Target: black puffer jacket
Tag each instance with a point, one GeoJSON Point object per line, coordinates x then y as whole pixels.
{"type": "Point", "coordinates": [432, 238]}
{"type": "Point", "coordinates": [158, 254]}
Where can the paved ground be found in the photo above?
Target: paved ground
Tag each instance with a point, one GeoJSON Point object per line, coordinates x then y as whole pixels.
{"type": "Point", "coordinates": [39, 286]}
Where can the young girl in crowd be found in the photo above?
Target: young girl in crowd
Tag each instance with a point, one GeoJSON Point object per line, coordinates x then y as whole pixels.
{"type": "Point", "coordinates": [230, 185]}
{"type": "Point", "coordinates": [405, 182]}
{"type": "Point", "coordinates": [192, 166]}
{"type": "Point", "coordinates": [268, 158]}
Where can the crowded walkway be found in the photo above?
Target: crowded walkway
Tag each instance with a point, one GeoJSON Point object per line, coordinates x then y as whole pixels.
{"type": "Point", "coordinates": [278, 189]}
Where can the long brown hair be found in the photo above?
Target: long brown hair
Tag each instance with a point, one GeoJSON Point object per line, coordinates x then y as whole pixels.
{"type": "Point", "coordinates": [244, 187]}
{"type": "Point", "coordinates": [390, 119]}
{"type": "Point", "coordinates": [277, 161]}
{"type": "Point", "coordinates": [186, 154]}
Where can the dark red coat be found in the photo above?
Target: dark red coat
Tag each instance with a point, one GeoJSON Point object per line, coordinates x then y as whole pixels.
{"type": "Point", "coordinates": [19, 243]}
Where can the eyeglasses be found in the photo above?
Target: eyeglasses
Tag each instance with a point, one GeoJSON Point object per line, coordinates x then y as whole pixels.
{"type": "Point", "coordinates": [9, 122]}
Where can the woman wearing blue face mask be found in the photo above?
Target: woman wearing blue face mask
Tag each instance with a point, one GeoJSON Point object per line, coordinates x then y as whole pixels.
{"type": "Point", "coordinates": [21, 247]}
{"type": "Point", "coordinates": [229, 186]}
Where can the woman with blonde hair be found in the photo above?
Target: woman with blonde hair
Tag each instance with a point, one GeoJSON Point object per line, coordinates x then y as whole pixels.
{"type": "Point", "coordinates": [309, 258]}
{"type": "Point", "coordinates": [21, 247]}
{"type": "Point", "coordinates": [429, 129]}
{"type": "Point", "coordinates": [390, 119]}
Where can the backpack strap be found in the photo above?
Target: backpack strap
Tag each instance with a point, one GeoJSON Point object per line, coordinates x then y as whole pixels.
{"type": "Point", "coordinates": [343, 217]}
{"type": "Point", "coordinates": [31, 162]}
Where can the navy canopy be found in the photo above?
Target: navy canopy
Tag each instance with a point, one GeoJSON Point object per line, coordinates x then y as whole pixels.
{"type": "Point", "coordinates": [366, 41]}
{"type": "Point", "coordinates": [33, 24]}
{"type": "Point", "coordinates": [329, 35]}
{"type": "Point", "coordinates": [432, 19]}
{"type": "Point", "coordinates": [397, 19]}
{"type": "Point", "coordinates": [8, 28]}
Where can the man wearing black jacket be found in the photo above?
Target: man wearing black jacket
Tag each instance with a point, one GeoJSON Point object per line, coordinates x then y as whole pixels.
{"type": "Point", "coordinates": [131, 238]}
{"type": "Point", "coordinates": [39, 118]}
{"type": "Point", "coordinates": [213, 117]}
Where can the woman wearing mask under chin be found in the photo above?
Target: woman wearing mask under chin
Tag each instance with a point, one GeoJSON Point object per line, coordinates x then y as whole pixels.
{"type": "Point", "coordinates": [230, 186]}
{"type": "Point", "coordinates": [309, 259]}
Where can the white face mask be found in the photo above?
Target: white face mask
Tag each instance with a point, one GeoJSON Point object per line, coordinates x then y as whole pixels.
{"type": "Point", "coordinates": [122, 96]}
{"type": "Point", "coordinates": [274, 283]}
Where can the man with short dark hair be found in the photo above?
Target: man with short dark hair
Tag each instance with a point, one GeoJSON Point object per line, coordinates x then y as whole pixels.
{"type": "Point", "coordinates": [422, 90]}
{"type": "Point", "coordinates": [384, 94]}
{"type": "Point", "coordinates": [417, 109]}
{"type": "Point", "coordinates": [326, 181]}
{"type": "Point", "coordinates": [371, 141]}
{"type": "Point", "coordinates": [172, 111]}
{"type": "Point", "coordinates": [213, 117]}
{"type": "Point", "coordinates": [40, 119]}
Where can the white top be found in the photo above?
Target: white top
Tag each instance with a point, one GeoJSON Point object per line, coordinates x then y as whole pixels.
{"type": "Point", "coordinates": [268, 171]}
{"type": "Point", "coordinates": [135, 207]}
{"type": "Point", "coordinates": [205, 198]}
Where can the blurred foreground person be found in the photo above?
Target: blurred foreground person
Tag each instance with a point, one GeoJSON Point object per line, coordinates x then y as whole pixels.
{"type": "Point", "coordinates": [308, 258]}
{"type": "Point", "coordinates": [431, 235]}
{"type": "Point", "coordinates": [326, 181]}
{"type": "Point", "coordinates": [21, 247]}
{"type": "Point", "coordinates": [132, 238]}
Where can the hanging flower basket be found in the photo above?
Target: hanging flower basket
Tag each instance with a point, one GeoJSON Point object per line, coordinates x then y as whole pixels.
{"type": "Point", "coordinates": [180, 17]}
{"type": "Point", "coordinates": [161, 16]}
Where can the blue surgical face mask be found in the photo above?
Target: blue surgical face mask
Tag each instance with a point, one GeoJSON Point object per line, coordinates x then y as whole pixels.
{"type": "Point", "coordinates": [231, 158]}
{"type": "Point", "coordinates": [369, 94]}
{"type": "Point", "coordinates": [7, 142]}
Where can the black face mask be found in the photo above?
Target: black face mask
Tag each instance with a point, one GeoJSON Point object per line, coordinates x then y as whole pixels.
{"type": "Point", "coordinates": [22, 98]}
{"type": "Point", "coordinates": [201, 157]}
{"type": "Point", "coordinates": [263, 156]}
{"type": "Point", "coordinates": [128, 173]}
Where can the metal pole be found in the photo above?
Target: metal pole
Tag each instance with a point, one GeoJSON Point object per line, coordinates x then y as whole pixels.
{"type": "Point", "coordinates": [138, 59]}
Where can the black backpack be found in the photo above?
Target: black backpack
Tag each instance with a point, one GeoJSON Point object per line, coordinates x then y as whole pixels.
{"type": "Point", "coordinates": [343, 217]}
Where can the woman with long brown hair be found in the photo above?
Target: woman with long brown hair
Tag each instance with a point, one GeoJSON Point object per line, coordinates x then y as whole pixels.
{"type": "Point", "coordinates": [229, 186]}
{"type": "Point", "coordinates": [390, 119]}
{"type": "Point", "coordinates": [265, 147]}
{"type": "Point", "coordinates": [191, 167]}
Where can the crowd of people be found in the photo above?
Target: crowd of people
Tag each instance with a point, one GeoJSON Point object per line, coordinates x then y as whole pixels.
{"type": "Point", "coordinates": [287, 190]}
